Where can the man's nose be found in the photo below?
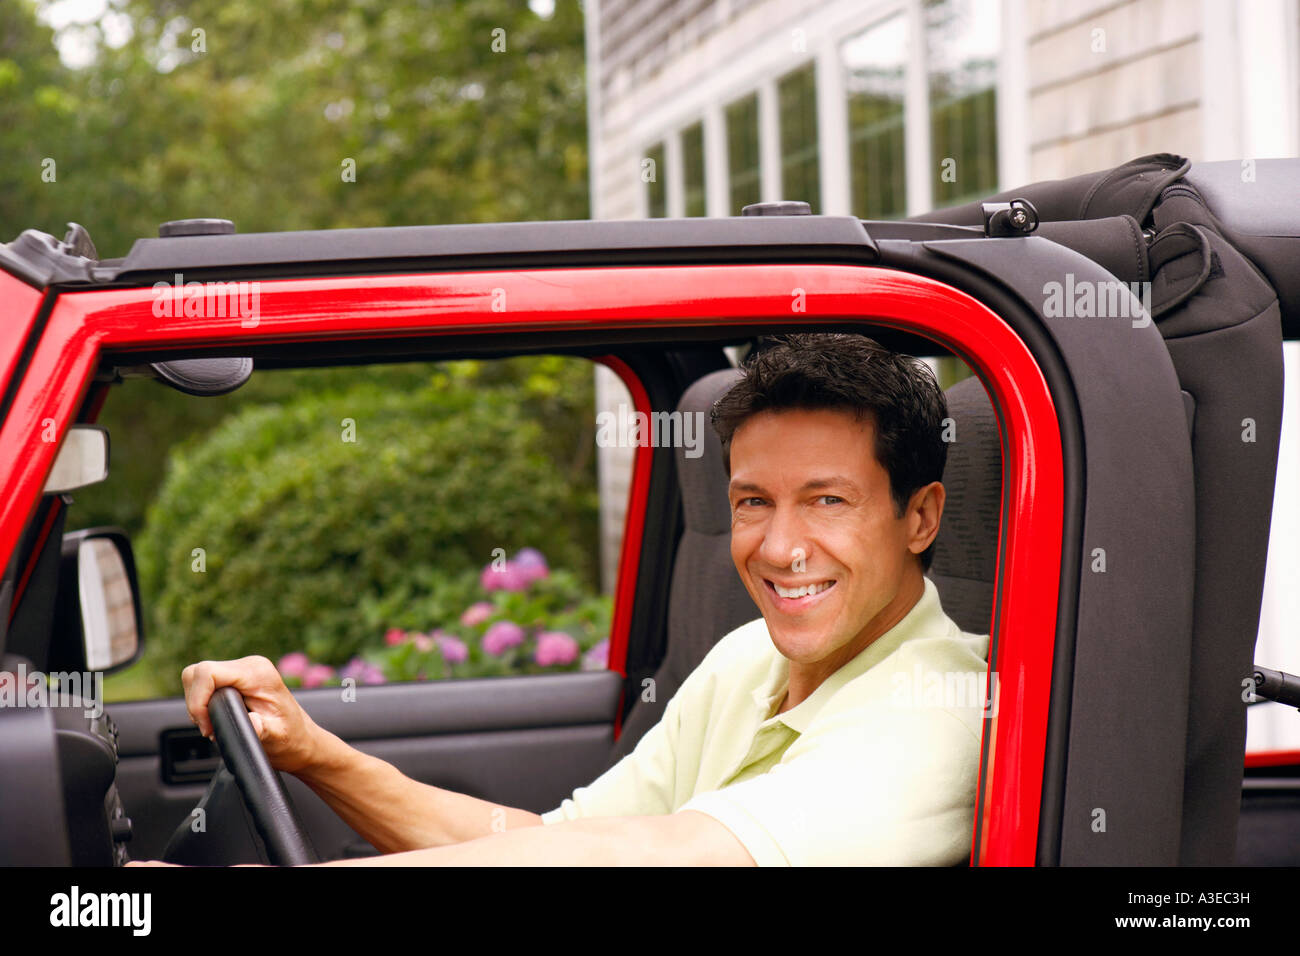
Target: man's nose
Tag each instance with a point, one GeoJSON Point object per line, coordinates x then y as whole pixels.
{"type": "Point", "coordinates": [785, 541]}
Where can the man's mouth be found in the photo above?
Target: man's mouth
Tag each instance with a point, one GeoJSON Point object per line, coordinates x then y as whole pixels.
{"type": "Point", "coordinates": [796, 597]}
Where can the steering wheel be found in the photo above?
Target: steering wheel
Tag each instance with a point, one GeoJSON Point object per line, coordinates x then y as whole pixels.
{"type": "Point", "coordinates": [274, 815]}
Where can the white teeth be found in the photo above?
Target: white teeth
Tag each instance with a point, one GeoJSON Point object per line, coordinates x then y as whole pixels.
{"type": "Point", "coordinates": [803, 591]}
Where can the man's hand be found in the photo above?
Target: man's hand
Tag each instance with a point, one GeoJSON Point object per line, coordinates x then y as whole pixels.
{"type": "Point", "coordinates": [289, 736]}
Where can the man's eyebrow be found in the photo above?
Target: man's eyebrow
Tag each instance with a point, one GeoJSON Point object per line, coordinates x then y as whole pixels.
{"type": "Point", "coordinates": [834, 481]}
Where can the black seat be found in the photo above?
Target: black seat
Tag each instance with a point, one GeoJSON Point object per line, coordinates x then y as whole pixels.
{"type": "Point", "coordinates": [965, 552]}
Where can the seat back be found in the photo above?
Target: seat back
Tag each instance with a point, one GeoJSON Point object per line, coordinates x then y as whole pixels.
{"type": "Point", "coordinates": [965, 552]}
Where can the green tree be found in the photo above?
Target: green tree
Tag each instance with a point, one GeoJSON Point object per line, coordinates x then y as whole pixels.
{"type": "Point", "coordinates": [282, 116]}
{"type": "Point", "coordinates": [471, 111]}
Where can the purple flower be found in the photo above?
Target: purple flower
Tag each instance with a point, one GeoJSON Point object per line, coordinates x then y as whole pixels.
{"type": "Point", "coordinates": [502, 636]}
{"type": "Point", "coordinates": [294, 664]}
{"type": "Point", "coordinates": [353, 668]}
{"type": "Point", "coordinates": [394, 636]}
{"type": "Point", "coordinates": [316, 675]}
{"type": "Point", "coordinates": [476, 614]}
{"type": "Point", "coordinates": [531, 564]}
{"type": "Point", "coordinates": [555, 647]}
{"type": "Point", "coordinates": [453, 651]}
{"type": "Point", "coordinates": [597, 659]}
{"type": "Point", "coordinates": [371, 674]}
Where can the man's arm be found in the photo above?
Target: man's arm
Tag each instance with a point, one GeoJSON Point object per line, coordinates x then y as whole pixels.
{"type": "Point", "coordinates": [395, 813]}
{"type": "Point", "coordinates": [675, 839]}
{"type": "Point", "coordinates": [389, 809]}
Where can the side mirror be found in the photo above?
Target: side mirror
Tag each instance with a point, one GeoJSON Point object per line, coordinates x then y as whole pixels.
{"type": "Point", "coordinates": [98, 625]}
{"type": "Point", "coordinates": [82, 460]}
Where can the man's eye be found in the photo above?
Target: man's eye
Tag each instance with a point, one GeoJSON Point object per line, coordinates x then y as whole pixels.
{"type": "Point", "coordinates": [749, 501]}
{"type": "Point", "coordinates": [832, 499]}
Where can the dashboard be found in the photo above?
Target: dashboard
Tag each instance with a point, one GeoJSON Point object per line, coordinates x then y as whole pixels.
{"type": "Point", "coordinates": [98, 827]}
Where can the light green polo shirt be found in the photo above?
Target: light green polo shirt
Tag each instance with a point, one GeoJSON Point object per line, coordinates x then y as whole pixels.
{"type": "Point", "coordinates": [878, 766]}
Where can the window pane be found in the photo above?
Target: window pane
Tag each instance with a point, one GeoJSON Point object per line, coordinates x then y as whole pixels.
{"type": "Point", "coordinates": [797, 95]}
{"type": "Point", "coordinates": [367, 522]}
{"type": "Point", "coordinates": [962, 48]}
{"type": "Point", "coordinates": [652, 172]}
{"type": "Point", "coordinates": [693, 169]}
{"type": "Point", "coordinates": [876, 64]}
{"type": "Point", "coordinates": [742, 153]}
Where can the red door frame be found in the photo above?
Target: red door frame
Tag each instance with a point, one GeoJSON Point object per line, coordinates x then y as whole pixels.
{"type": "Point", "coordinates": [82, 325]}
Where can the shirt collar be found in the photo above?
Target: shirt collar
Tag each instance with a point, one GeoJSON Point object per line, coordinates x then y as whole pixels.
{"type": "Point", "coordinates": [924, 617]}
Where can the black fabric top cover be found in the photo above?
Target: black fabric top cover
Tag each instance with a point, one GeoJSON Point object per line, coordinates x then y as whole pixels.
{"type": "Point", "coordinates": [1221, 321]}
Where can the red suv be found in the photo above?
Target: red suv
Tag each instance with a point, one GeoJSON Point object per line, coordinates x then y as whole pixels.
{"type": "Point", "coordinates": [1107, 520]}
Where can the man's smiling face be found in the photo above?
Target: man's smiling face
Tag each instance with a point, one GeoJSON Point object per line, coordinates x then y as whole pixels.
{"type": "Point", "coordinates": [815, 535]}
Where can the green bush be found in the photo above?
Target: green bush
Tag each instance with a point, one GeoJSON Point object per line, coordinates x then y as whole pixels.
{"type": "Point", "coordinates": [313, 543]}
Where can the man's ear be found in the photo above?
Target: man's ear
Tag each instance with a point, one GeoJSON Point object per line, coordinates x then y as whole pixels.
{"type": "Point", "coordinates": [924, 512]}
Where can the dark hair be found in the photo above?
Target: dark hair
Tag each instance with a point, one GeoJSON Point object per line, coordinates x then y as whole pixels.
{"type": "Point", "coordinates": [852, 373]}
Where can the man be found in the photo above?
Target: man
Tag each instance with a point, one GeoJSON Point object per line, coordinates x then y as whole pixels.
{"type": "Point", "coordinates": [826, 732]}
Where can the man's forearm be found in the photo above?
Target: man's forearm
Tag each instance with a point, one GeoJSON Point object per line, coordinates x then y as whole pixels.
{"type": "Point", "coordinates": [689, 838]}
{"type": "Point", "coordinates": [395, 813]}
{"type": "Point", "coordinates": [610, 841]}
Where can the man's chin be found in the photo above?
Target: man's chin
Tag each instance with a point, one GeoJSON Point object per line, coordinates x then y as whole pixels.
{"type": "Point", "coordinates": [799, 643]}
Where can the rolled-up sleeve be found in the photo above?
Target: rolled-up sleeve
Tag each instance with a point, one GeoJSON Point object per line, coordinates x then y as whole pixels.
{"type": "Point", "coordinates": [867, 786]}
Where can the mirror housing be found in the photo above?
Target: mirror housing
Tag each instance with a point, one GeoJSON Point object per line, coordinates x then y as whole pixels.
{"type": "Point", "coordinates": [98, 625]}
{"type": "Point", "coordinates": [82, 461]}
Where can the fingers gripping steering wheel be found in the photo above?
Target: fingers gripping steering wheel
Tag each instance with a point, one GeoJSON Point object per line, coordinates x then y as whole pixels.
{"type": "Point", "coordinates": [274, 816]}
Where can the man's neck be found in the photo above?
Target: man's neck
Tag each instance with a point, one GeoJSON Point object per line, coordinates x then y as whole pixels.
{"type": "Point", "coordinates": [806, 678]}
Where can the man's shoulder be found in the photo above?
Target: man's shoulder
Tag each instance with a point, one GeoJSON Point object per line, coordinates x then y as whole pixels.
{"type": "Point", "coordinates": [940, 643]}
{"type": "Point", "coordinates": [942, 669]}
{"type": "Point", "coordinates": [950, 649]}
{"type": "Point", "coordinates": [739, 658]}
{"type": "Point", "coordinates": [748, 644]}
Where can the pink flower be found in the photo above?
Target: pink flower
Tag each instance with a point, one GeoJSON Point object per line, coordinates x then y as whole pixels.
{"type": "Point", "coordinates": [353, 668]}
{"type": "Point", "coordinates": [372, 675]}
{"type": "Point", "coordinates": [476, 614]}
{"type": "Point", "coordinates": [555, 647]}
{"type": "Point", "coordinates": [294, 664]}
{"type": "Point", "coordinates": [502, 636]}
{"type": "Point", "coordinates": [508, 577]}
{"type": "Point", "coordinates": [394, 636]}
{"type": "Point", "coordinates": [423, 643]}
{"type": "Point", "coordinates": [316, 675]}
{"type": "Point", "coordinates": [597, 659]}
{"type": "Point", "coordinates": [531, 564]}
{"type": "Point", "coordinates": [453, 651]}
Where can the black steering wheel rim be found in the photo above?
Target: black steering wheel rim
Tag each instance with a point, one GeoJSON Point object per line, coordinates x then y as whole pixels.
{"type": "Point", "coordinates": [274, 815]}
